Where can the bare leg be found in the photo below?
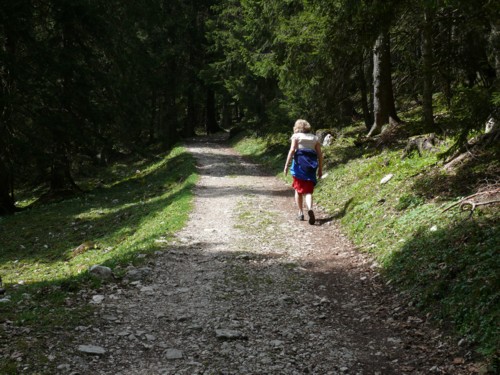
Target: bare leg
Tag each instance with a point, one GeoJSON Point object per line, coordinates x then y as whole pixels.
{"type": "Point", "coordinates": [309, 201]}
{"type": "Point", "coordinates": [310, 212]}
{"type": "Point", "coordinates": [299, 202]}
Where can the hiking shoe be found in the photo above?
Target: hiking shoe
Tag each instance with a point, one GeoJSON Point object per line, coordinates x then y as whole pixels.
{"type": "Point", "coordinates": [300, 217]}
{"type": "Point", "coordinates": [312, 219]}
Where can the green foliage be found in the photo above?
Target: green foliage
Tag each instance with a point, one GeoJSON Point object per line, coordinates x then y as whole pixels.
{"type": "Point", "coordinates": [270, 150]}
{"type": "Point", "coordinates": [470, 109]}
{"type": "Point", "coordinates": [408, 201]}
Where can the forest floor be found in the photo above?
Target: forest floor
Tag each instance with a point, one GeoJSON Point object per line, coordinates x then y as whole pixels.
{"type": "Point", "coordinates": [246, 288]}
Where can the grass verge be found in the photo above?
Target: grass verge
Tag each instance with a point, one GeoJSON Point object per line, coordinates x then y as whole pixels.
{"type": "Point", "coordinates": [116, 225]}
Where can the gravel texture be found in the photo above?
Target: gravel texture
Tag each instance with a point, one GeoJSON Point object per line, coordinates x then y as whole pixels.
{"type": "Point", "coordinates": [247, 289]}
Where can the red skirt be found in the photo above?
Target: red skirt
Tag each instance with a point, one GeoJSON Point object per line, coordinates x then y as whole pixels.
{"type": "Point", "coordinates": [303, 186]}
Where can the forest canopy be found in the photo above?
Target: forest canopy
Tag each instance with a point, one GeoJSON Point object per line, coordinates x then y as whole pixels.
{"type": "Point", "coordinates": [85, 82]}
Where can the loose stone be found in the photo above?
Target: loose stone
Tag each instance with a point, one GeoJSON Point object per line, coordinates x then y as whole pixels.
{"type": "Point", "coordinates": [91, 349]}
{"type": "Point", "coordinates": [229, 334]}
{"type": "Point", "coordinates": [172, 354]}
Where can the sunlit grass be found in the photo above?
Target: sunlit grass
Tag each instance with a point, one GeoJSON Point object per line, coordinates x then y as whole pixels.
{"type": "Point", "coordinates": [140, 203]}
{"type": "Point", "coordinates": [121, 220]}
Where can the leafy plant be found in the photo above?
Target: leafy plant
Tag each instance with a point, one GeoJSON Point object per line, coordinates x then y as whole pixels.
{"type": "Point", "coordinates": [408, 201]}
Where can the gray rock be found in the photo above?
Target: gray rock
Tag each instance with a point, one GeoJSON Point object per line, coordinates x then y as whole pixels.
{"type": "Point", "coordinates": [147, 289]}
{"type": "Point", "coordinates": [229, 334]}
{"type": "Point", "coordinates": [276, 343]}
{"type": "Point", "coordinates": [97, 299]}
{"type": "Point", "coordinates": [136, 274]}
{"type": "Point", "coordinates": [101, 272]}
{"type": "Point", "coordinates": [91, 349]}
{"type": "Point", "coordinates": [172, 354]}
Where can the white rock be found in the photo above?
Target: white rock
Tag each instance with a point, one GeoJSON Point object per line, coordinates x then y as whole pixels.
{"type": "Point", "coordinates": [328, 140]}
{"type": "Point", "coordinates": [386, 178]}
{"type": "Point", "coordinates": [97, 299]}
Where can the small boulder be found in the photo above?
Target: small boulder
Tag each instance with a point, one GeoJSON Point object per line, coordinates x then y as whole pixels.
{"type": "Point", "coordinates": [136, 274]}
{"type": "Point", "coordinates": [101, 272]}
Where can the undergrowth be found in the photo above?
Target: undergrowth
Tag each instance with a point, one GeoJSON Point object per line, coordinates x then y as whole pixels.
{"type": "Point", "coordinates": [447, 262]}
{"type": "Point", "coordinates": [117, 224]}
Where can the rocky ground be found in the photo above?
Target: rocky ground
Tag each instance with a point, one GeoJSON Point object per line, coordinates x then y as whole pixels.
{"type": "Point", "coordinates": [248, 289]}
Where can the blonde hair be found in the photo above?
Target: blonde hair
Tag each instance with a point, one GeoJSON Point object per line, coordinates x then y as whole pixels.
{"type": "Point", "coordinates": [302, 126]}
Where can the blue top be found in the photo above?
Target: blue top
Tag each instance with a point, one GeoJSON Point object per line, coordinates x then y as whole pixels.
{"type": "Point", "coordinates": [304, 165]}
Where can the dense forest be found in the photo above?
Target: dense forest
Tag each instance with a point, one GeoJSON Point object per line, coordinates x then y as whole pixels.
{"type": "Point", "coordinates": [84, 82]}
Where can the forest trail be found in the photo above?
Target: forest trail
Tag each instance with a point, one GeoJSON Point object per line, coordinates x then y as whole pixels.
{"type": "Point", "coordinates": [248, 289]}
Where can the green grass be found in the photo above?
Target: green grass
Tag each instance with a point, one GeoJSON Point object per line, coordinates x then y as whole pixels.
{"type": "Point", "coordinates": [447, 263]}
{"type": "Point", "coordinates": [270, 151]}
{"type": "Point", "coordinates": [121, 220]}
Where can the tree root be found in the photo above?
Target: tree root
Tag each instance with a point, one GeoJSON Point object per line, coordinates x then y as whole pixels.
{"type": "Point", "coordinates": [483, 198]}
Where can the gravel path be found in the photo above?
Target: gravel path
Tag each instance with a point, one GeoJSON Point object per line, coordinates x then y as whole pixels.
{"type": "Point", "coordinates": [247, 289]}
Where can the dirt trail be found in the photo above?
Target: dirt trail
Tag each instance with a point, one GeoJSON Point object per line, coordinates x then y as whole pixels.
{"type": "Point", "coordinates": [248, 289]}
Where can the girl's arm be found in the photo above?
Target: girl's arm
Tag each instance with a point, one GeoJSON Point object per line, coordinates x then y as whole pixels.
{"type": "Point", "coordinates": [293, 148]}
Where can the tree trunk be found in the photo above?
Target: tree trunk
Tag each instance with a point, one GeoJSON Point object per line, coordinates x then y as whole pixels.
{"type": "Point", "coordinates": [190, 121]}
{"type": "Point", "coordinates": [367, 116]}
{"type": "Point", "coordinates": [211, 120]}
{"type": "Point", "coordinates": [7, 202]}
{"type": "Point", "coordinates": [495, 49]}
{"type": "Point", "coordinates": [60, 173]}
{"type": "Point", "coordinates": [154, 116]}
{"type": "Point", "coordinates": [427, 61]}
{"type": "Point", "coordinates": [167, 126]}
{"type": "Point", "coordinates": [384, 109]}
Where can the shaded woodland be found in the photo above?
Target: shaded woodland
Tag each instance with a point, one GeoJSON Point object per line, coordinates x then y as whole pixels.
{"type": "Point", "coordinates": [84, 82]}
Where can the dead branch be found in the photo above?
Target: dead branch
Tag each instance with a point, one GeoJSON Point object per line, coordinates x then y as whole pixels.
{"type": "Point", "coordinates": [470, 148]}
{"type": "Point", "coordinates": [482, 198]}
